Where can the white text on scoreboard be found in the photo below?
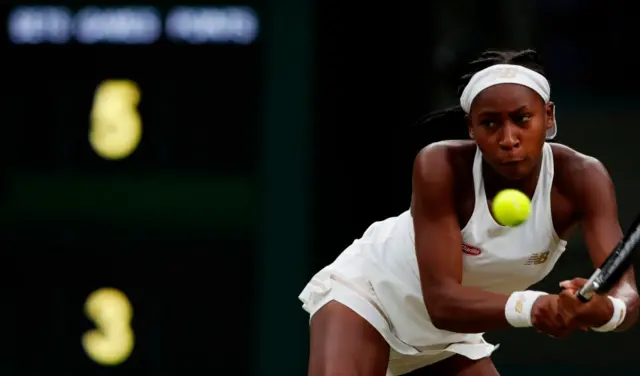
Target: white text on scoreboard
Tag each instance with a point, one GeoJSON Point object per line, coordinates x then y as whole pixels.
{"type": "Point", "coordinates": [132, 25]}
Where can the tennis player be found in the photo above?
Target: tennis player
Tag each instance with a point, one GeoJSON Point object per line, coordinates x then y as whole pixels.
{"type": "Point", "coordinates": [417, 291]}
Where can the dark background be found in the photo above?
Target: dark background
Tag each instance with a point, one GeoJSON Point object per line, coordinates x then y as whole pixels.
{"type": "Point", "coordinates": [259, 163]}
{"type": "Point", "coordinates": [172, 226]}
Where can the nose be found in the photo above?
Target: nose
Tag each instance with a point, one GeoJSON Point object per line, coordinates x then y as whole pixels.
{"type": "Point", "coordinates": [509, 137]}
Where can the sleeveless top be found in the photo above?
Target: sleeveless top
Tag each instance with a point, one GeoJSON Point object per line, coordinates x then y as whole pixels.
{"type": "Point", "coordinates": [506, 259]}
{"type": "Point", "coordinates": [495, 258]}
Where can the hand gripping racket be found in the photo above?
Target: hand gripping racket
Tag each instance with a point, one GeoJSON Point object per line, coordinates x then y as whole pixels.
{"type": "Point", "coordinates": [612, 269]}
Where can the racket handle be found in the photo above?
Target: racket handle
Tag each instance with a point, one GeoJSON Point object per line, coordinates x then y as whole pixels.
{"type": "Point", "coordinates": [589, 289]}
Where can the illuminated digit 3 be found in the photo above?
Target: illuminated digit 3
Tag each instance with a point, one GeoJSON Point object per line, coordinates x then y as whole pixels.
{"type": "Point", "coordinates": [116, 126]}
{"type": "Point", "coordinates": [112, 341]}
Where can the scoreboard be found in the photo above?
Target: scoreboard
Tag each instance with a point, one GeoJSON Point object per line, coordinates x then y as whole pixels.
{"type": "Point", "coordinates": [128, 200]}
{"type": "Point", "coordinates": [132, 113]}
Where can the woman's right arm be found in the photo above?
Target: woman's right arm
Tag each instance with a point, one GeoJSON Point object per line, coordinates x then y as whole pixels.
{"type": "Point", "coordinates": [438, 243]}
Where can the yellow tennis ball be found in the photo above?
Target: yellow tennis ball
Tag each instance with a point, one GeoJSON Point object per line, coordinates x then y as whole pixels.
{"type": "Point", "coordinates": [511, 207]}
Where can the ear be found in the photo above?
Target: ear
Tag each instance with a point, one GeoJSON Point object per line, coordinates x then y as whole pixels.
{"type": "Point", "coordinates": [467, 118]}
{"type": "Point", "coordinates": [550, 111]}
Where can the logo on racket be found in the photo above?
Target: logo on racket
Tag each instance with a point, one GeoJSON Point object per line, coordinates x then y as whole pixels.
{"type": "Point", "coordinates": [471, 250]}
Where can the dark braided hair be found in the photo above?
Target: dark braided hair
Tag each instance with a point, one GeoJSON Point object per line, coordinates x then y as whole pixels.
{"type": "Point", "coordinates": [455, 116]}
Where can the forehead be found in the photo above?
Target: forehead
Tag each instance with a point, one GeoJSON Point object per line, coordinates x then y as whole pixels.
{"type": "Point", "coordinates": [506, 98]}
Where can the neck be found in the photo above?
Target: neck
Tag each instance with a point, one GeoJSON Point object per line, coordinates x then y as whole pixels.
{"type": "Point", "coordinates": [494, 182]}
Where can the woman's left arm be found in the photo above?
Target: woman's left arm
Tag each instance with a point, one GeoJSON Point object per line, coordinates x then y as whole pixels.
{"type": "Point", "coordinates": [602, 232]}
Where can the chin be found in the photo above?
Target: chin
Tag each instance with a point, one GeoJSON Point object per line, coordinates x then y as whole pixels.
{"type": "Point", "coordinates": [513, 172]}
{"type": "Point", "coordinates": [514, 177]}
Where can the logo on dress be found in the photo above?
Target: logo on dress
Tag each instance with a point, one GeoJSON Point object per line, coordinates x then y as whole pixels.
{"type": "Point", "coordinates": [537, 258]}
{"type": "Point", "coordinates": [470, 250]}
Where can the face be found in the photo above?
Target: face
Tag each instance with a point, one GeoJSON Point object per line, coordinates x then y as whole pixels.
{"type": "Point", "coordinates": [509, 123]}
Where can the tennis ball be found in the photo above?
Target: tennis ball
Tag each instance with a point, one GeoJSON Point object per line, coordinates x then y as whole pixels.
{"type": "Point", "coordinates": [511, 207]}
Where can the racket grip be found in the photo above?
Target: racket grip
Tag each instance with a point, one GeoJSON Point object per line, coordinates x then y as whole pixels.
{"type": "Point", "coordinates": [589, 289]}
{"type": "Point", "coordinates": [584, 295]}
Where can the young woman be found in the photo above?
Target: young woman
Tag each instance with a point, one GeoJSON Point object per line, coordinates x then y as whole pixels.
{"type": "Point", "coordinates": [418, 290]}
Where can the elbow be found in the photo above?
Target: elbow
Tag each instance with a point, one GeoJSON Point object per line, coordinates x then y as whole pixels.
{"type": "Point", "coordinates": [439, 310]}
{"type": "Point", "coordinates": [439, 321]}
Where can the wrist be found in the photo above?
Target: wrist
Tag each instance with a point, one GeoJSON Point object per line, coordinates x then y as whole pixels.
{"type": "Point", "coordinates": [519, 307]}
{"type": "Point", "coordinates": [617, 317]}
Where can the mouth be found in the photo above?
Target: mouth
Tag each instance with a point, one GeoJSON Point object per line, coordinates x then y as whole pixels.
{"type": "Point", "coordinates": [512, 162]}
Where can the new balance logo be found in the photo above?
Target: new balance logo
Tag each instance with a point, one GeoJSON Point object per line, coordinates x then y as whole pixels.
{"type": "Point", "coordinates": [520, 303]}
{"type": "Point", "coordinates": [537, 258]}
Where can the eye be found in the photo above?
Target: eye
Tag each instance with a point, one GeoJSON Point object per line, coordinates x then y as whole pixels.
{"type": "Point", "coordinates": [523, 118]}
{"type": "Point", "coordinates": [489, 123]}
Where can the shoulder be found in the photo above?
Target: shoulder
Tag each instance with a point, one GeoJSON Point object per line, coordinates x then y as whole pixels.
{"type": "Point", "coordinates": [573, 166]}
{"type": "Point", "coordinates": [579, 176]}
{"type": "Point", "coordinates": [444, 159]}
{"type": "Point", "coordinates": [442, 173]}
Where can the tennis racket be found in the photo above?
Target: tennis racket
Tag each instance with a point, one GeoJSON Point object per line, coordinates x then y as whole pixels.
{"type": "Point", "coordinates": [612, 269]}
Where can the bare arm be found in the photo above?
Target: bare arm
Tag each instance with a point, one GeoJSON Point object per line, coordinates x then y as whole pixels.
{"type": "Point", "coordinates": [438, 242]}
{"type": "Point", "coordinates": [601, 229]}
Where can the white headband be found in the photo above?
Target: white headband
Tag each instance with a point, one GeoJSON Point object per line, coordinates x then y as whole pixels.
{"type": "Point", "coordinates": [507, 74]}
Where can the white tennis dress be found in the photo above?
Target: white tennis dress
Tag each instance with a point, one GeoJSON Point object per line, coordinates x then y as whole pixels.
{"type": "Point", "coordinates": [377, 276]}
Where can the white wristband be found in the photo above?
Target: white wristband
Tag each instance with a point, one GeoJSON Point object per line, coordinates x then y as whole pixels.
{"type": "Point", "coordinates": [519, 306]}
{"type": "Point", "coordinates": [619, 314]}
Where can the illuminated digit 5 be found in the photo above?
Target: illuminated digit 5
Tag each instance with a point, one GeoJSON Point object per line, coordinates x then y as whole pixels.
{"type": "Point", "coordinates": [112, 341]}
{"type": "Point", "coordinates": [116, 127]}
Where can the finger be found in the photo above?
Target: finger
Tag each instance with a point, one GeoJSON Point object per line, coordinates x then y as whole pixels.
{"type": "Point", "coordinates": [567, 313]}
{"type": "Point", "coordinates": [575, 283]}
{"type": "Point", "coordinates": [567, 296]}
{"type": "Point", "coordinates": [567, 285]}
{"type": "Point", "coordinates": [566, 317]}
